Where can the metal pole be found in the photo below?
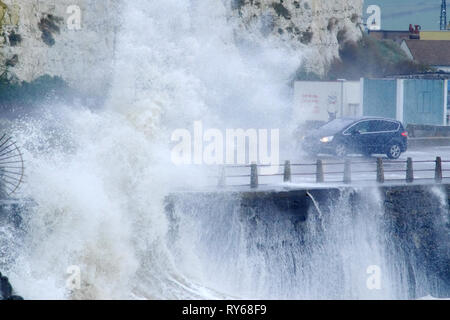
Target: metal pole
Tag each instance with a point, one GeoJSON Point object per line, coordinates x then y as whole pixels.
{"type": "Point", "coordinates": [320, 175]}
{"type": "Point", "coordinates": [342, 81]}
{"type": "Point", "coordinates": [438, 170]}
{"type": "Point", "coordinates": [287, 172]}
{"type": "Point", "coordinates": [348, 171]}
{"type": "Point", "coordinates": [342, 99]}
{"type": "Point", "coordinates": [254, 176]}
{"type": "Point", "coordinates": [380, 171]}
{"type": "Point", "coordinates": [443, 22]}
{"type": "Point", "coordinates": [409, 171]}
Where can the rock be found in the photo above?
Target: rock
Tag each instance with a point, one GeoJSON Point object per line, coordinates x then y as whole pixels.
{"type": "Point", "coordinates": [36, 40]}
{"type": "Point", "coordinates": [6, 290]}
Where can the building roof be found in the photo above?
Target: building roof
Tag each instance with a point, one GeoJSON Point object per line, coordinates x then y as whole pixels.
{"type": "Point", "coordinates": [394, 35]}
{"type": "Point", "coordinates": [430, 52]}
{"type": "Point", "coordinates": [435, 35]}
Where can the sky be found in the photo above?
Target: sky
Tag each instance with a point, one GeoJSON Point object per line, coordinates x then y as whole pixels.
{"type": "Point", "coordinates": [399, 14]}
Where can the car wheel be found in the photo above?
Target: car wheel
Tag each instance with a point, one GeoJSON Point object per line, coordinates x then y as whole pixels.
{"type": "Point", "coordinates": [340, 150]}
{"type": "Point", "coordinates": [394, 151]}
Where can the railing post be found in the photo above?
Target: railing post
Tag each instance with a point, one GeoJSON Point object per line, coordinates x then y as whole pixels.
{"type": "Point", "coordinates": [348, 171]}
{"type": "Point", "coordinates": [222, 177]}
{"type": "Point", "coordinates": [409, 171]}
{"type": "Point", "coordinates": [380, 171]}
{"type": "Point", "coordinates": [254, 176]}
{"type": "Point", "coordinates": [438, 170]}
{"type": "Point", "coordinates": [287, 172]}
{"type": "Point", "coordinates": [320, 175]}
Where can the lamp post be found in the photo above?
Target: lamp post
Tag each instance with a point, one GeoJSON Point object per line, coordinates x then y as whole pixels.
{"type": "Point", "coordinates": [342, 96]}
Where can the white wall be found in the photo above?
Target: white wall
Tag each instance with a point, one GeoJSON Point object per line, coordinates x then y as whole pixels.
{"type": "Point", "coordinates": [352, 99]}
{"type": "Point", "coordinates": [314, 99]}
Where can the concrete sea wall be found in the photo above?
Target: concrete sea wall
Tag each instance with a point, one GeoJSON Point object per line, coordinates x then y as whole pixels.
{"type": "Point", "coordinates": [414, 222]}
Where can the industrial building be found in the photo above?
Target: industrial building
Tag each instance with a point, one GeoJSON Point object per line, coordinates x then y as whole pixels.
{"type": "Point", "coordinates": [324, 100]}
{"type": "Point", "coordinates": [412, 101]}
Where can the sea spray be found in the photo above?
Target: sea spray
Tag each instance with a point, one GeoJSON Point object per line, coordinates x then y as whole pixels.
{"type": "Point", "coordinates": [98, 178]}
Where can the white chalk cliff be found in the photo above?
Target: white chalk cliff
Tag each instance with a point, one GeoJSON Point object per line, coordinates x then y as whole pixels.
{"type": "Point", "coordinates": [39, 37]}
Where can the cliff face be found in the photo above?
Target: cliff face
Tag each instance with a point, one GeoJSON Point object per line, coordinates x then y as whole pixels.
{"type": "Point", "coordinates": [40, 37]}
{"type": "Point", "coordinates": [317, 27]}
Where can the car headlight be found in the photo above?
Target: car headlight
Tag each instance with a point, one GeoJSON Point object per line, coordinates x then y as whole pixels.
{"type": "Point", "coordinates": [327, 139]}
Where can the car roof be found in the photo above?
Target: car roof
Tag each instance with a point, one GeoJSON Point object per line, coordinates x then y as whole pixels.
{"type": "Point", "coordinates": [368, 118]}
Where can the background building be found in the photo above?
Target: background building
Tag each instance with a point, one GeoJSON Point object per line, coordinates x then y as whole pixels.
{"type": "Point", "coordinates": [394, 35]}
{"type": "Point", "coordinates": [435, 35]}
{"type": "Point", "coordinates": [322, 100]}
{"type": "Point", "coordinates": [433, 53]}
{"type": "Point", "coordinates": [412, 101]}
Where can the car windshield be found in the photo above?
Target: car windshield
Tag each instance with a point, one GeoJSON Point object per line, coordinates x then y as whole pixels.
{"type": "Point", "coordinates": [336, 125]}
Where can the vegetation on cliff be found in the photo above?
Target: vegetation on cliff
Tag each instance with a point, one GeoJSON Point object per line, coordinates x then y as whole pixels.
{"type": "Point", "coordinates": [369, 58]}
{"type": "Point", "coordinates": [23, 95]}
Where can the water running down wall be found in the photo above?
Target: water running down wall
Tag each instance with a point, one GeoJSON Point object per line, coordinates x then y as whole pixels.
{"type": "Point", "coordinates": [319, 244]}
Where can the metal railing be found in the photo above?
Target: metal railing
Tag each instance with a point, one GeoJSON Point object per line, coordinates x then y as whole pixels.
{"type": "Point", "coordinates": [320, 174]}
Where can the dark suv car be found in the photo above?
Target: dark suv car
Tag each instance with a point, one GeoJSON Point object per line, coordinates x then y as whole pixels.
{"type": "Point", "coordinates": [358, 135]}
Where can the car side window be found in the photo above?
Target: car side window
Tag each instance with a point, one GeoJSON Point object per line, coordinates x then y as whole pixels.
{"type": "Point", "coordinates": [377, 126]}
{"type": "Point", "coordinates": [382, 126]}
{"type": "Point", "coordinates": [391, 126]}
{"type": "Point", "coordinates": [361, 127]}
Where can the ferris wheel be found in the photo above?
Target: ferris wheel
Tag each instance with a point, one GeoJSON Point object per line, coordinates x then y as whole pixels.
{"type": "Point", "coordinates": [11, 166]}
